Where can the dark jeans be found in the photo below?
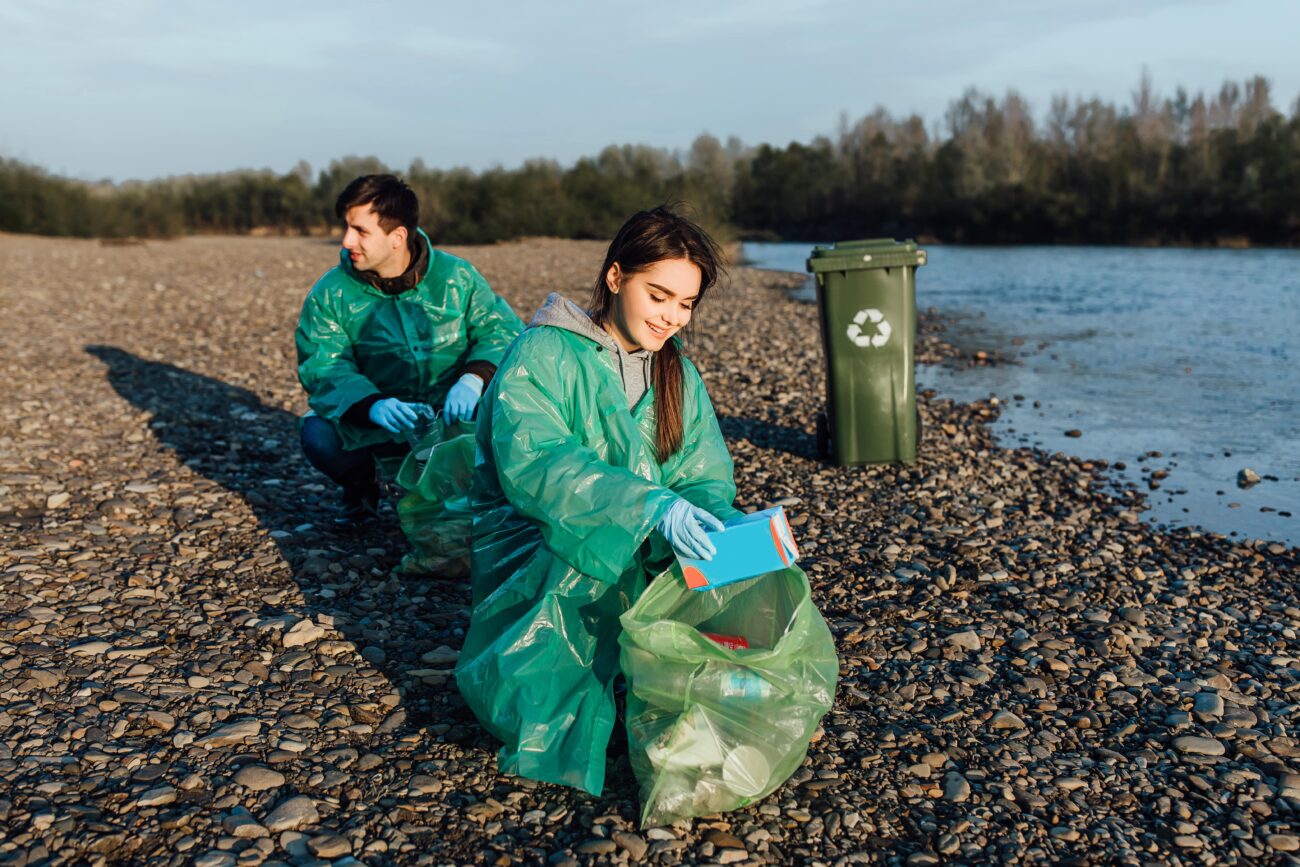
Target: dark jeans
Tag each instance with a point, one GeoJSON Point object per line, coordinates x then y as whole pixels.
{"type": "Point", "coordinates": [353, 469]}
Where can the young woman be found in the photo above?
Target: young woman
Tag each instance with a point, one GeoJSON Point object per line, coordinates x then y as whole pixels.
{"type": "Point", "coordinates": [599, 457]}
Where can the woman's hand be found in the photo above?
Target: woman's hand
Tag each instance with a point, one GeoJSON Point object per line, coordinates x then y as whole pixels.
{"type": "Point", "coordinates": [685, 527]}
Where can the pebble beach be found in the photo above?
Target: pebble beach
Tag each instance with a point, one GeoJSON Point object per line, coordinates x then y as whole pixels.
{"type": "Point", "coordinates": [196, 667]}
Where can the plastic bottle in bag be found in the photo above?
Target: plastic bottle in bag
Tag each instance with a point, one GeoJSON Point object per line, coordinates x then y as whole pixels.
{"type": "Point", "coordinates": [426, 422]}
{"type": "Point", "coordinates": [721, 684]}
{"type": "Point", "coordinates": [745, 685]}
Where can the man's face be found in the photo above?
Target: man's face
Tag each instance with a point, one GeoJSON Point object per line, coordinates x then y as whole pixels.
{"type": "Point", "coordinates": [371, 248]}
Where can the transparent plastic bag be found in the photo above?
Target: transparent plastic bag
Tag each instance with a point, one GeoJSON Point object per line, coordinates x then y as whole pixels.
{"type": "Point", "coordinates": [713, 726]}
{"type": "Point", "coordinates": [435, 512]}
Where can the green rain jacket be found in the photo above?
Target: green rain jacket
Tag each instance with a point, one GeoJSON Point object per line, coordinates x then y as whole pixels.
{"type": "Point", "coordinates": [355, 341]}
{"type": "Point", "coordinates": [566, 491]}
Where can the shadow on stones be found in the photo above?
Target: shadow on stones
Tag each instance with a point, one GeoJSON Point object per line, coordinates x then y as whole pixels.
{"type": "Point", "coordinates": [227, 434]}
{"type": "Point", "coordinates": [766, 435]}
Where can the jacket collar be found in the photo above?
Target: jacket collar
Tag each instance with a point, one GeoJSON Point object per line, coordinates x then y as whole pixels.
{"type": "Point", "coordinates": [421, 263]}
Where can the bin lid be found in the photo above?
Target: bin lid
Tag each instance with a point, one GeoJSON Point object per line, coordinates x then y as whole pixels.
{"type": "Point", "coordinates": [865, 254]}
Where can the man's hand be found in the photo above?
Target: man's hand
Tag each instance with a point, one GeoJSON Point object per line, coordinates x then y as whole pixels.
{"type": "Point", "coordinates": [463, 398]}
{"type": "Point", "coordinates": [393, 415]}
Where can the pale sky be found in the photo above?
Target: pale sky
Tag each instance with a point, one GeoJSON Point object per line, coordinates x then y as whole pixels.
{"type": "Point", "coordinates": [142, 88]}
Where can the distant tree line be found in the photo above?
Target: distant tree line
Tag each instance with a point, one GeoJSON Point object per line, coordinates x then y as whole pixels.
{"type": "Point", "coordinates": [1223, 168]}
{"type": "Point", "coordinates": [1180, 170]}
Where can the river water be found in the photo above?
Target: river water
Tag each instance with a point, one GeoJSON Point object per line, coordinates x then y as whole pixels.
{"type": "Point", "coordinates": [1187, 353]}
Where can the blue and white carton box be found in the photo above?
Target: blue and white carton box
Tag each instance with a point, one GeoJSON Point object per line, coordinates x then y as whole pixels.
{"type": "Point", "coordinates": [753, 545]}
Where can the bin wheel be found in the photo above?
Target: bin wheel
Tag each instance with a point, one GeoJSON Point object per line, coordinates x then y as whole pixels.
{"type": "Point", "coordinates": [823, 436]}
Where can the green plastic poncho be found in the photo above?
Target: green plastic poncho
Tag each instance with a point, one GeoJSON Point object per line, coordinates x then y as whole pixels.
{"type": "Point", "coordinates": [565, 494]}
{"type": "Point", "coordinates": [355, 341]}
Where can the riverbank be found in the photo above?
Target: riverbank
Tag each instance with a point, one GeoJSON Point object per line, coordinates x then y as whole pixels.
{"type": "Point", "coordinates": [194, 665]}
{"type": "Point", "coordinates": [1131, 356]}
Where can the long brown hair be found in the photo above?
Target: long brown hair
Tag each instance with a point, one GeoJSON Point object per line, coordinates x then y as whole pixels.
{"type": "Point", "coordinates": [646, 238]}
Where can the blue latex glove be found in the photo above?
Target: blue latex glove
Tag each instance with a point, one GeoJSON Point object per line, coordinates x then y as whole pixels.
{"type": "Point", "coordinates": [463, 398]}
{"type": "Point", "coordinates": [394, 415]}
{"type": "Point", "coordinates": [684, 526]}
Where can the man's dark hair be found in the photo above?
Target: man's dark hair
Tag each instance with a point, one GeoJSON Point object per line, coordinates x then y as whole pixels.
{"type": "Point", "coordinates": [387, 195]}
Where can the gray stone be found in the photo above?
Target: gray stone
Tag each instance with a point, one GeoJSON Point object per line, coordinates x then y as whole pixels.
{"type": "Point", "coordinates": [134, 652]}
{"type": "Point", "coordinates": [290, 815]}
{"type": "Point", "coordinates": [1005, 719]}
{"type": "Point", "coordinates": [231, 734]}
{"type": "Point", "coordinates": [329, 846]}
{"type": "Point", "coordinates": [244, 827]}
{"type": "Point", "coordinates": [1208, 704]}
{"type": "Point", "coordinates": [440, 657]}
{"type": "Point", "coordinates": [91, 648]}
{"type": "Point", "coordinates": [1198, 746]}
{"type": "Point", "coordinates": [633, 843]}
{"type": "Point", "coordinates": [215, 858]}
{"type": "Point", "coordinates": [294, 843]}
{"type": "Point", "coordinates": [259, 778]}
{"type": "Point", "coordinates": [300, 721]}
{"type": "Point", "coordinates": [955, 787]}
{"type": "Point", "coordinates": [157, 797]}
{"type": "Point", "coordinates": [1283, 842]}
{"type": "Point", "coordinates": [302, 632]}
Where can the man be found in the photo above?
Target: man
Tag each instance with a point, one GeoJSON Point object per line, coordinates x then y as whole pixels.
{"type": "Point", "coordinates": [394, 325]}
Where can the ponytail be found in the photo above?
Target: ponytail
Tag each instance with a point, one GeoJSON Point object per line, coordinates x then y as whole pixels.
{"type": "Point", "coordinates": [669, 399]}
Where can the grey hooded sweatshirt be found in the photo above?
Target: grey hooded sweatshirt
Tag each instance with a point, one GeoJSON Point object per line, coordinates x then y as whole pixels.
{"type": "Point", "coordinates": [632, 367]}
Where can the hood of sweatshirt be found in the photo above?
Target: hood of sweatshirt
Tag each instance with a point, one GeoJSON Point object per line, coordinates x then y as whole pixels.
{"type": "Point", "coordinates": [632, 367]}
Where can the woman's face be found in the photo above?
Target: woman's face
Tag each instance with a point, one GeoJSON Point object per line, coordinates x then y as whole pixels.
{"type": "Point", "coordinates": [652, 305]}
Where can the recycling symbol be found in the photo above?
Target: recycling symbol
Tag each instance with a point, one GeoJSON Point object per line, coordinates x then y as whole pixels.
{"type": "Point", "coordinates": [863, 336]}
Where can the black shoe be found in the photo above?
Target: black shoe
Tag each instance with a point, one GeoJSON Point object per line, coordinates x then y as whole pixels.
{"type": "Point", "coordinates": [360, 506]}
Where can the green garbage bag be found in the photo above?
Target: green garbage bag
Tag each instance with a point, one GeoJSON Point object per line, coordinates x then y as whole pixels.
{"type": "Point", "coordinates": [435, 512]}
{"type": "Point", "coordinates": [712, 728]}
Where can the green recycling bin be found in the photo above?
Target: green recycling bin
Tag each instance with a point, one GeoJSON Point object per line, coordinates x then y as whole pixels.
{"type": "Point", "coordinates": [866, 292]}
